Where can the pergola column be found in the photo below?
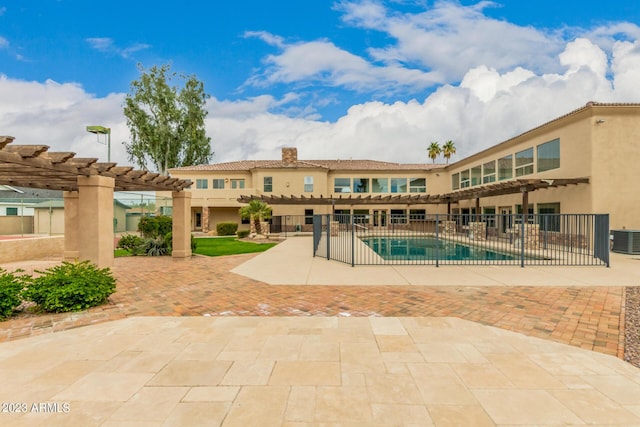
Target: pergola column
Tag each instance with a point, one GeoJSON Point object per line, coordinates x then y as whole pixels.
{"type": "Point", "coordinates": [71, 229]}
{"type": "Point", "coordinates": [525, 201]}
{"type": "Point", "coordinates": [181, 234]}
{"type": "Point", "coordinates": [95, 219]}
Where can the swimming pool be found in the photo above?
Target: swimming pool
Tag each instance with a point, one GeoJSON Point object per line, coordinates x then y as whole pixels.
{"type": "Point", "coordinates": [427, 248]}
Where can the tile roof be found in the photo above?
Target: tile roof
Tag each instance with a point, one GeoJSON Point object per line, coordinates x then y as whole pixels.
{"type": "Point", "coordinates": [245, 165]}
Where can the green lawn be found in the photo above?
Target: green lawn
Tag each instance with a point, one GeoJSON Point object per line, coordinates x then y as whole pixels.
{"type": "Point", "coordinates": [229, 246]}
{"type": "Point", "coordinates": [120, 252]}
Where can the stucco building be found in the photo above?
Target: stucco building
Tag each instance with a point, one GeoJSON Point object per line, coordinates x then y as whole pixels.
{"type": "Point", "coordinates": [582, 162]}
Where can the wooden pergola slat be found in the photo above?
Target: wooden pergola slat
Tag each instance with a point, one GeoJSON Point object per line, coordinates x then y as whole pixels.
{"type": "Point", "coordinates": [34, 166]}
{"type": "Point", "coordinates": [490, 190]}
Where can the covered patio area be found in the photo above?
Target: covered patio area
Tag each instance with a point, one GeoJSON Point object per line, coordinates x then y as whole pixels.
{"type": "Point", "coordinates": [88, 187]}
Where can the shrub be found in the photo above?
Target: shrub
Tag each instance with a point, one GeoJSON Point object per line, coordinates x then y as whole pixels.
{"type": "Point", "coordinates": [165, 225]}
{"type": "Point", "coordinates": [132, 244]}
{"type": "Point", "coordinates": [155, 226]}
{"type": "Point", "coordinates": [156, 247]}
{"type": "Point", "coordinates": [194, 244]}
{"type": "Point", "coordinates": [242, 233]}
{"type": "Point", "coordinates": [70, 287]}
{"type": "Point", "coordinates": [227, 228]}
{"type": "Point", "coordinates": [11, 287]}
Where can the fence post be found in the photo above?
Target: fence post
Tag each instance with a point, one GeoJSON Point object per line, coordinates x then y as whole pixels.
{"type": "Point", "coordinates": [522, 238]}
{"type": "Point", "coordinates": [437, 243]}
{"type": "Point", "coordinates": [328, 236]}
{"type": "Point", "coordinates": [353, 241]}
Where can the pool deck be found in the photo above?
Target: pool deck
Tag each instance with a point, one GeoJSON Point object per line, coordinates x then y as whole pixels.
{"type": "Point", "coordinates": [303, 268]}
{"type": "Point", "coordinates": [282, 338]}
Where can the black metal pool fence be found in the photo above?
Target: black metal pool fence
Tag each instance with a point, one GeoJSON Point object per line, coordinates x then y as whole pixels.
{"type": "Point", "coordinates": [436, 239]}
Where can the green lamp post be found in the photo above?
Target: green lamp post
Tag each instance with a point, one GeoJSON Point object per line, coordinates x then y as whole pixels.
{"type": "Point", "coordinates": [101, 130]}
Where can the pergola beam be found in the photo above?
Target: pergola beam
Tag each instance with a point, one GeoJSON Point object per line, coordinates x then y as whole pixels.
{"type": "Point", "coordinates": [491, 190]}
{"type": "Point", "coordinates": [35, 166]}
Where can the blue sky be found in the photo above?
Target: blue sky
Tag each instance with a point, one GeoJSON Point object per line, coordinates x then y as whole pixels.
{"type": "Point", "coordinates": [374, 79]}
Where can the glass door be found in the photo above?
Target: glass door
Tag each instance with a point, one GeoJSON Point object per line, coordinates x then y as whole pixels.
{"type": "Point", "coordinates": [505, 220]}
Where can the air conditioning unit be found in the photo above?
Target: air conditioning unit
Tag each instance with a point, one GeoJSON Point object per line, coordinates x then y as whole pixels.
{"type": "Point", "coordinates": [626, 241]}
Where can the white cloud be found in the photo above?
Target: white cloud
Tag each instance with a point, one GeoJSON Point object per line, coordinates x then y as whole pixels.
{"type": "Point", "coordinates": [512, 79]}
{"type": "Point", "coordinates": [4, 43]}
{"type": "Point", "coordinates": [107, 45]}
{"type": "Point", "coordinates": [324, 63]}
{"type": "Point", "coordinates": [582, 53]}
{"type": "Point", "coordinates": [103, 44]}
{"type": "Point", "coordinates": [56, 114]}
{"type": "Point", "coordinates": [450, 38]}
{"type": "Point", "coordinates": [266, 37]}
{"type": "Point", "coordinates": [626, 70]}
{"type": "Point", "coordinates": [438, 45]}
{"type": "Point", "coordinates": [488, 107]}
{"type": "Point", "coordinates": [486, 83]}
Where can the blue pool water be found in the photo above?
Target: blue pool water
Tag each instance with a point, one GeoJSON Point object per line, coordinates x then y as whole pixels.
{"type": "Point", "coordinates": [424, 248]}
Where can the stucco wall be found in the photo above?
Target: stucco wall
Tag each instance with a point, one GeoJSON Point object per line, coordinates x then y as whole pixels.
{"type": "Point", "coordinates": [615, 163]}
{"type": "Point", "coordinates": [31, 248]}
{"type": "Point", "coordinates": [16, 225]}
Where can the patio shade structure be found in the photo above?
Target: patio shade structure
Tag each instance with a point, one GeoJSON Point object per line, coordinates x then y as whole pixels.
{"type": "Point", "coordinates": [88, 187]}
{"type": "Point", "coordinates": [516, 186]}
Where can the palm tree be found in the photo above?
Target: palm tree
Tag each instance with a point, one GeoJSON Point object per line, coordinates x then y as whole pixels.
{"type": "Point", "coordinates": [448, 149]}
{"type": "Point", "coordinates": [434, 150]}
{"type": "Point", "coordinates": [256, 211]}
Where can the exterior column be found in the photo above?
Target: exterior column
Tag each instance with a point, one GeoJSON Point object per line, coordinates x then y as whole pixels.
{"type": "Point", "coordinates": [71, 226]}
{"type": "Point", "coordinates": [181, 225]}
{"type": "Point", "coordinates": [205, 219]}
{"type": "Point", "coordinates": [95, 219]}
{"type": "Point", "coordinates": [525, 203]}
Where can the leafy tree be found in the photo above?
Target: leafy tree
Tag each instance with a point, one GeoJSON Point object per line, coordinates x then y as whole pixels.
{"type": "Point", "coordinates": [256, 211]}
{"type": "Point", "coordinates": [448, 149]}
{"type": "Point", "coordinates": [166, 122]}
{"type": "Point", "coordinates": [434, 150]}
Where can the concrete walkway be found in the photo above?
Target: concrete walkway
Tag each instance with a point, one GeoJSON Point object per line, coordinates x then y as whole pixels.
{"type": "Point", "coordinates": [300, 267]}
{"type": "Point", "coordinates": [321, 364]}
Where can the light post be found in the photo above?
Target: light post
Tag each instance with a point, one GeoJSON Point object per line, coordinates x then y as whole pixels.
{"type": "Point", "coordinates": [101, 130]}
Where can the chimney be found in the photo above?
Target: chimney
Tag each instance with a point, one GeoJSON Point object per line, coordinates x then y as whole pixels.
{"type": "Point", "coordinates": [289, 155]}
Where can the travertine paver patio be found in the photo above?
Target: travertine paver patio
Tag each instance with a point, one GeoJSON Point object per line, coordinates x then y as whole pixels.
{"type": "Point", "coordinates": [258, 371]}
{"type": "Point", "coordinates": [257, 354]}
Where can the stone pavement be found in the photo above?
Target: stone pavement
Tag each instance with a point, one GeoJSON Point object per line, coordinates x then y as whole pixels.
{"type": "Point", "coordinates": [195, 343]}
{"type": "Point", "coordinates": [293, 371]}
{"type": "Point", "coordinates": [589, 317]}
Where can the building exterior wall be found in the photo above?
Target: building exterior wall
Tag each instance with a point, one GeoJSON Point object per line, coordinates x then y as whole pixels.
{"type": "Point", "coordinates": [575, 136]}
{"type": "Point", "coordinates": [291, 181]}
{"type": "Point", "coordinates": [120, 218]}
{"type": "Point", "coordinates": [16, 225]}
{"type": "Point", "coordinates": [598, 142]}
{"type": "Point", "coordinates": [615, 162]}
{"type": "Point", "coordinates": [49, 221]}
{"type": "Point", "coordinates": [224, 214]}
